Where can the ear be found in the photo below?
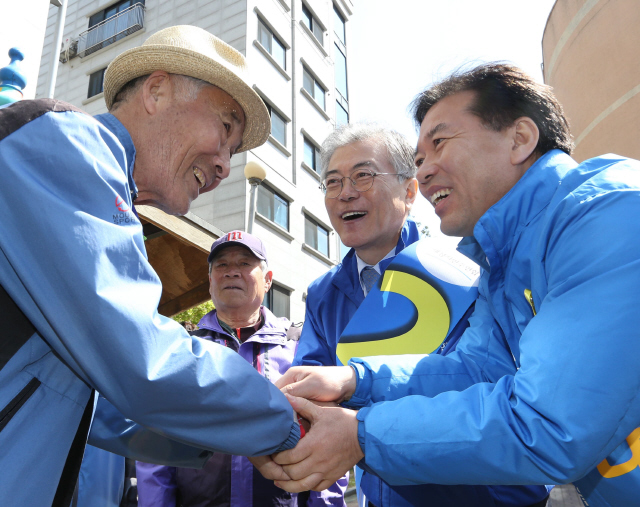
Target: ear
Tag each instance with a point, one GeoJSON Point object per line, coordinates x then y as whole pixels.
{"type": "Point", "coordinates": [268, 279]}
{"type": "Point", "coordinates": [411, 187]}
{"type": "Point", "coordinates": [525, 140]}
{"type": "Point", "coordinates": [156, 91]}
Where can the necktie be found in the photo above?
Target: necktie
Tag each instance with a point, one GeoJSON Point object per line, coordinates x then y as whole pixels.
{"type": "Point", "coordinates": [369, 277]}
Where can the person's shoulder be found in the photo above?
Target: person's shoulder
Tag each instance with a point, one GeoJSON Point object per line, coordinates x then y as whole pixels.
{"type": "Point", "coordinates": [606, 176]}
{"type": "Point", "coordinates": [324, 283]}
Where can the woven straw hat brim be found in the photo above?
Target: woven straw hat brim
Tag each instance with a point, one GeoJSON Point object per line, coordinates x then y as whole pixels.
{"type": "Point", "coordinates": [144, 60]}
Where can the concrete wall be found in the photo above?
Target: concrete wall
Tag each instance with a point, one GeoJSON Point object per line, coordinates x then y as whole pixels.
{"type": "Point", "coordinates": [590, 53]}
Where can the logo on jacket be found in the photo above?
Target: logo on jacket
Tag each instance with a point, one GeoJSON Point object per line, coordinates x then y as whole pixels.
{"type": "Point", "coordinates": [609, 471]}
{"type": "Point", "coordinates": [125, 215]}
{"type": "Point", "coordinates": [121, 205]}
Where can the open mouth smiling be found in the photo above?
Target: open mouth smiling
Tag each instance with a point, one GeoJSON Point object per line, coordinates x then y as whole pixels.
{"type": "Point", "coordinates": [347, 216]}
{"type": "Point", "coordinates": [439, 196]}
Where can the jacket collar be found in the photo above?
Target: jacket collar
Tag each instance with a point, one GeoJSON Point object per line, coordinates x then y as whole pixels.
{"type": "Point", "coordinates": [492, 235]}
{"type": "Point", "coordinates": [273, 328]}
{"type": "Point", "coordinates": [112, 124]}
{"type": "Point", "coordinates": [348, 281]}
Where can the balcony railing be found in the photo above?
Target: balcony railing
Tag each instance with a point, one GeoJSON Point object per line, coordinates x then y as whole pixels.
{"type": "Point", "coordinates": [111, 30]}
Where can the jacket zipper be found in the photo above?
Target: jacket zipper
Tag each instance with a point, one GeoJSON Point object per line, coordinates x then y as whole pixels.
{"type": "Point", "coordinates": [20, 399]}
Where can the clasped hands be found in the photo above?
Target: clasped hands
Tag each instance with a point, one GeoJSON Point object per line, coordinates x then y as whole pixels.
{"type": "Point", "coordinates": [330, 447]}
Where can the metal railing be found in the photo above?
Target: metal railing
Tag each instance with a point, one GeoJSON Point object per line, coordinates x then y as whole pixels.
{"type": "Point", "coordinates": [111, 30]}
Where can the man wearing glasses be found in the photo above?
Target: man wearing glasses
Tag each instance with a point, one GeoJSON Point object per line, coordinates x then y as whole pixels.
{"type": "Point", "coordinates": [368, 177]}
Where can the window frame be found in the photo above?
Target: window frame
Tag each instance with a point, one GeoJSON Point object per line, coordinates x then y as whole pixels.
{"type": "Point", "coordinates": [263, 27]}
{"type": "Point", "coordinates": [101, 14]}
{"type": "Point", "coordinates": [272, 110]}
{"type": "Point", "coordinates": [274, 196]}
{"type": "Point", "coordinates": [92, 82]}
{"type": "Point", "coordinates": [268, 301]}
{"type": "Point", "coordinates": [318, 226]}
{"type": "Point", "coordinates": [316, 28]}
{"type": "Point", "coordinates": [343, 23]}
{"type": "Point", "coordinates": [316, 84]}
{"type": "Point", "coordinates": [306, 141]}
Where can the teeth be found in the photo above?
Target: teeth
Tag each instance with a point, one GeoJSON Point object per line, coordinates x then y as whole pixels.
{"type": "Point", "coordinates": [439, 195]}
{"type": "Point", "coordinates": [353, 214]}
{"type": "Point", "coordinates": [200, 177]}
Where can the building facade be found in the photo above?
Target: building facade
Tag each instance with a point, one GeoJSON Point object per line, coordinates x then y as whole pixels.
{"type": "Point", "coordinates": [590, 50]}
{"type": "Point", "coordinates": [297, 54]}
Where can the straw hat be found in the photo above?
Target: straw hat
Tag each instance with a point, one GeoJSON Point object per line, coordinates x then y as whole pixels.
{"type": "Point", "coordinates": [194, 52]}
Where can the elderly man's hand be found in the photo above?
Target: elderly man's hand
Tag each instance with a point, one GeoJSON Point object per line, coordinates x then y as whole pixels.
{"type": "Point", "coordinates": [269, 468]}
{"type": "Point", "coordinates": [319, 383]}
{"type": "Point", "coordinates": [326, 453]}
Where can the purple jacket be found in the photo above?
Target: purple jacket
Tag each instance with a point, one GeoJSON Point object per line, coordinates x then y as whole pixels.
{"type": "Point", "coordinates": [229, 480]}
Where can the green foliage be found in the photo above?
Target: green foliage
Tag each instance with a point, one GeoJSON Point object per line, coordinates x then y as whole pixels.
{"type": "Point", "coordinates": [194, 314]}
{"type": "Point", "coordinates": [424, 229]}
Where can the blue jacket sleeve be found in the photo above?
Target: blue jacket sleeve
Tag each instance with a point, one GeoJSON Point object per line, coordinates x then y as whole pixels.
{"type": "Point", "coordinates": [115, 433]}
{"type": "Point", "coordinates": [574, 398]}
{"type": "Point", "coordinates": [313, 349]}
{"type": "Point", "coordinates": [87, 286]}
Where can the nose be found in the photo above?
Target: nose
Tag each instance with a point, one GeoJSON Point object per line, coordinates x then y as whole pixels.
{"type": "Point", "coordinates": [425, 172]}
{"type": "Point", "coordinates": [222, 164]}
{"type": "Point", "coordinates": [232, 272]}
{"type": "Point", "coordinates": [348, 192]}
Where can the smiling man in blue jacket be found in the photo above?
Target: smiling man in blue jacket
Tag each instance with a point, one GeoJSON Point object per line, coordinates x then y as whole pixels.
{"type": "Point", "coordinates": [543, 385]}
{"type": "Point", "coordinates": [78, 297]}
{"type": "Point", "coordinates": [369, 182]}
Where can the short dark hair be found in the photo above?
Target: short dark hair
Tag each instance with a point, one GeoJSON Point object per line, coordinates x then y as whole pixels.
{"type": "Point", "coordinates": [503, 93]}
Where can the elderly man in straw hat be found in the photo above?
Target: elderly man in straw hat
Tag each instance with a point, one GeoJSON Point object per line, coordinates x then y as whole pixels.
{"type": "Point", "coordinates": [78, 298]}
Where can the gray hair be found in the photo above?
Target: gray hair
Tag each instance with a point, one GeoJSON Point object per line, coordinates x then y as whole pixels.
{"type": "Point", "coordinates": [186, 88]}
{"type": "Point", "coordinates": [401, 153]}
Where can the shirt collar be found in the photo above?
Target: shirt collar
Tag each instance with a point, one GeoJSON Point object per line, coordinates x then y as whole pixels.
{"type": "Point", "coordinates": [112, 124]}
{"type": "Point", "coordinates": [495, 230]}
{"type": "Point", "coordinates": [362, 264]}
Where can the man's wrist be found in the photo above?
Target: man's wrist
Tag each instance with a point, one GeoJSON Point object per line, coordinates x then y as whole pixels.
{"type": "Point", "coordinates": [350, 386]}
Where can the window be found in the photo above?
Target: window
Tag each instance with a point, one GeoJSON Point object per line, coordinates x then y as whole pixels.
{"type": "Point", "coordinates": [342, 116]}
{"type": "Point", "coordinates": [277, 300]}
{"type": "Point", "coordinates": [271, 43]}
{"type": "Point", "coordinates": [96, 81]}
{"type": "Point", "coordinates": [314, 88]}
{"type": "Point", "coordinates": [112, 10]}
{"type": "Point", "coordinates": [110, 25]}
{"type": "Point", "coordinates": [311, 155]}
{"type": "Point", "coordinates": [278, 126]}
{"type": "Point", "coordinates": [338, 26]}
{"type": "Point", "coordinates": [341, 72]}
{"type": "Point", "coordinates": [311, 23]}
{"type": "Point", "coordinates": [273, 206]}
{"type": "Point", "coordinates": [316, 236]}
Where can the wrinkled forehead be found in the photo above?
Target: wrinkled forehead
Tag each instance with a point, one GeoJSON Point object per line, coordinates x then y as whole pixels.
{"type": "Point", "coordinates": [367, 154]}
{"type": "Point", "coordinates": [234, 250]}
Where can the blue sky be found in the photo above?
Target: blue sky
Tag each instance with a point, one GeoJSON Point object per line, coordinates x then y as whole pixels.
{"type": "Point", "coordinates": [398, 47]}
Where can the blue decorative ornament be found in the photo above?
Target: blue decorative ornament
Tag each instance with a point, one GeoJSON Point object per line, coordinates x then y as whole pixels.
{"type": "Point", "coordinates": [12, 80]}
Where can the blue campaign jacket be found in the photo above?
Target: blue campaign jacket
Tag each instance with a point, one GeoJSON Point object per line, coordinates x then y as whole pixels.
{"type": "Point", "coordinates": [543, 386]}
{"type": "Point", "coordinates": [332, 300]}
{"type": "Point", "coordinates": [73, 259]}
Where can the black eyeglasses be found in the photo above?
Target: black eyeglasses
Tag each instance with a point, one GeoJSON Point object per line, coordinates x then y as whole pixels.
{"type": "Point", "coordinates": [361, 179]}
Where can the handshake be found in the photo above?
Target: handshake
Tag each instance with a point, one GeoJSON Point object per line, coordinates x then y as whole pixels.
{"type": "Point", "coordinates": [330, 447]}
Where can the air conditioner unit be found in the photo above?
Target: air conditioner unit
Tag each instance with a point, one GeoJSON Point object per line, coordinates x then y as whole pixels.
{"type": "Point", "coordinates": [69, 49]}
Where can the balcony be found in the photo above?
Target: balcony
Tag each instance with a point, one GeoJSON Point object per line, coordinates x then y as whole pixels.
{"type": "Point", "coordinates": [111, 30]}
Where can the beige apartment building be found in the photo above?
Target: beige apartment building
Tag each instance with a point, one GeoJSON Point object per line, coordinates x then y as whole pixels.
{"type": "Point", "coordinates": [590, 53]}
{"type": "Point", "coordinates": [297, 51]}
